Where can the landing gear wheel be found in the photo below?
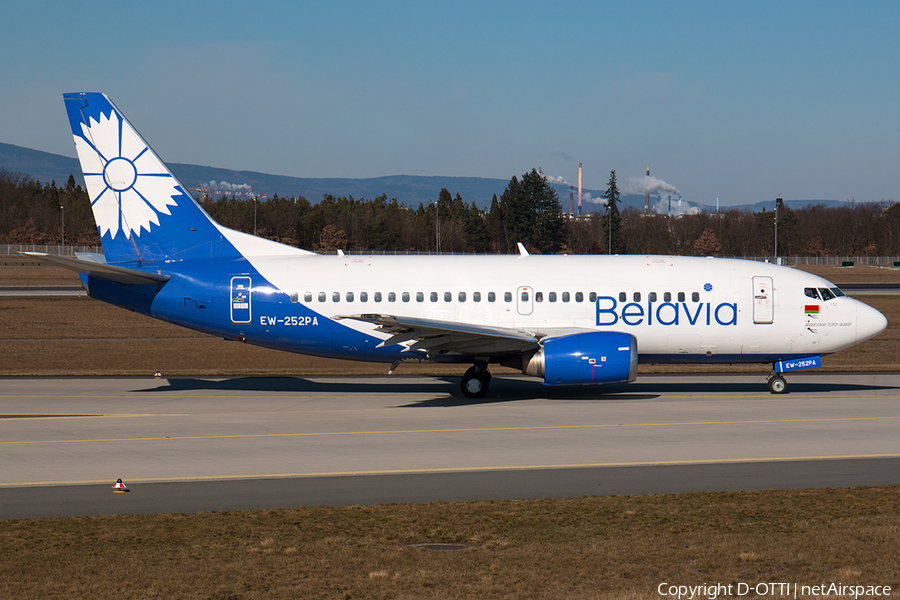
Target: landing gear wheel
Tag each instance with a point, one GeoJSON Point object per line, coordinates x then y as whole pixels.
{"type": "Point", "coordinates": [777, 384]}
{"type": "Point", "coordinates": [475, 383]}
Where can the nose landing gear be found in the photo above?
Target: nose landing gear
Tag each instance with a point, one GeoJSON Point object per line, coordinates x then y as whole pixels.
{"type": "Point", "coordinates": [777, 383]}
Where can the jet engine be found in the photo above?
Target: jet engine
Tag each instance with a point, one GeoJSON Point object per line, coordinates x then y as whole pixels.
{"type": "Point", "coordinates": [585, 359]}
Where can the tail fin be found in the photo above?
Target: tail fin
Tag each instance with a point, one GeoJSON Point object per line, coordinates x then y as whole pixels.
{"type": "Point", "coordinates": [142, 211]}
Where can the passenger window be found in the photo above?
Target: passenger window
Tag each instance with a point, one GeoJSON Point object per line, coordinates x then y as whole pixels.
{"type": "Point", "coordinates": [524, 296]}
{"type": "Point", "coordinates": [392, 297]}
{"type": "Point", "coordinates": [681, 296]}
{"type": "Point", "coordinates": [826, 294]}
{"type": "Point", "coordinates": [593, 297]}
{"type": "Point", "coordinates": [420, 297]}
{"type": "Point", "coordinates": [476, 296]}
{"type": "Point", "coordinates": [405, 296]}
{"type": "Point", "coordinates": [507, 296]}
{"type": "Point", "coordinates": [539, 296]}
{"type": "Point", "coordinates": [695, 296]}
{"type": "Point", "coordinates": [623, 296]}
{"type": "Point", "coordinates": [811, 293]}
{"type": "Point", "coordinates": [433, 296]}
{"type": "Point", "coordinates": [667, 297]}
{"type": "Point", "coordinates": [637, 296]}
{"type": "Point", "coordinates": [364, 296]}
{"type": "Point", "coordinates": [349, 296]}
{"type": "Point", "coordinates": [335, 296]}
{"type": "Point", "coordinates": [551, 296]}
{"type": "Point", "coordinates": [448, 296]}
{"type": "Point", "coordinates": [377, 296]}
{"type": "Point", "coordinates": [492, 297]}
{"type": "Point", "coordinates": [565, 296]}
{"type": "Point", "coordinates": [651, 296]}
{"type": "Point", "coordinates": [295, 297]}
{"type": "Point", "coordinates": [579, 297]}
{"type": "Point", "coordinates": [321, 296]}
{"type": "Point", "coordinates": [462, 296]}
{"type": "Point", "coordinates": [307, 297]}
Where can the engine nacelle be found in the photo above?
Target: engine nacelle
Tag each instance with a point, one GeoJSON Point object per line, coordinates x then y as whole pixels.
{"type": "Point", "coordinates": [585, 358]}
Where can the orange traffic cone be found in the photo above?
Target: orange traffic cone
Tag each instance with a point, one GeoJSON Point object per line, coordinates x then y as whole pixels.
{"type": "Point", "coordinates": [120, 488]}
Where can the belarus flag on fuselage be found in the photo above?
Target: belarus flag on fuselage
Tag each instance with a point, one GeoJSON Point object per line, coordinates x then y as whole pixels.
{"type": "Point", "coordinates": [812, 309]}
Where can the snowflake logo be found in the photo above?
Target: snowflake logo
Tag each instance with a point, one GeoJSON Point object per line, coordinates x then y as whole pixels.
{"type": "Point", "coordinates": [707, 287]}
{"type": "Point", "coordinates": [128, 184]}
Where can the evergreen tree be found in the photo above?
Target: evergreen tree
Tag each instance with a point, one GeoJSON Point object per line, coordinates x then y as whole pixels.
{"type": "Point", "coordinates": [613, 218]}
{"type": "Point", "coordinates": [532, 214]}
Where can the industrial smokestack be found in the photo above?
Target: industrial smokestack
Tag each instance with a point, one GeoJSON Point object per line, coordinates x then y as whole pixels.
{"type": "Point", "coordinates": [571, 199]}
{"type": "Point", "coordinates": [579, 188]}
{"type": "Point", "coordinates": [647, 196]}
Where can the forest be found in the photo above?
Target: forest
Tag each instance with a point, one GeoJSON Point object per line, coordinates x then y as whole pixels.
{"type": "Point", "coordinates": [529, 211]}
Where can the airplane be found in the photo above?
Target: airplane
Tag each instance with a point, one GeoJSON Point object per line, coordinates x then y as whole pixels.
{"type": "Point", "coordinates": [568, 320]}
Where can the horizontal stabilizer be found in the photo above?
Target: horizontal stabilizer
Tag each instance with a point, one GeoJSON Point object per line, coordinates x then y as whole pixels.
{"type": "Point", "coordinates": [100, 270]}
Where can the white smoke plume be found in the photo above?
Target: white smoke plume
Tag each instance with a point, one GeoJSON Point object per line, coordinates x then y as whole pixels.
{"type": "Point", "coordinates": [224, 186]}
{"type": "Point", "coordinates": [234, 189]}
{"type": "Point", "coordinates": [648, 185]}
{"type": "Point", "coordinates": [586, 197]}
{"type": "Point", "coordinates": [557, 180]}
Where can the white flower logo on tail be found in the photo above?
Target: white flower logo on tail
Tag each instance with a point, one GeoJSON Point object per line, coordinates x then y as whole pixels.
{"type": "Point", "coordinates": [129, 186]}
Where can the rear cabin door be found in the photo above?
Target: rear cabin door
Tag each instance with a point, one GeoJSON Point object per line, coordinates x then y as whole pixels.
{"type": "Point", "coordinates": [240, 299]}
{"type": "Point", "coordinates": [763, 305]}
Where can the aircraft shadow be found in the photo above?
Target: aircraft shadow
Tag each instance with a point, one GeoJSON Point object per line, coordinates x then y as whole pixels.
{"type": "Point", "coordinates": [447, 394]}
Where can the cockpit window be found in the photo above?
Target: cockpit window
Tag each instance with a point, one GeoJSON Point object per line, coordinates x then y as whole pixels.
{"type": "Point", "coordinates": [826, 293]}
{"type": "Point", "coordinates": [811, 293]}
{"type": "Point", "coordinates": [837, 292]}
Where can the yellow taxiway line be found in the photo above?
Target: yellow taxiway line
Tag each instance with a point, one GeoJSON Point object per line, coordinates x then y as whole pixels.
{"type": "Point", "coordinates": [449, 430]}
{"type": "Point", "coordinates": [439, 470]}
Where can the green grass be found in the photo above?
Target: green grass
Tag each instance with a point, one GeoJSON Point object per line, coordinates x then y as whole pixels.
{"type": "Point", "coordinates": [598, 547]}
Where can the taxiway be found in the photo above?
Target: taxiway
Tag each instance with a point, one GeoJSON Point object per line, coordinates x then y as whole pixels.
{"type": "Point", "coordinates": [189, 445]}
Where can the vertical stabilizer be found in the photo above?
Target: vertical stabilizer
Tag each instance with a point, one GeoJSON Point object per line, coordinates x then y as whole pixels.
{"type": "Point", "coordinates": [142, 211]}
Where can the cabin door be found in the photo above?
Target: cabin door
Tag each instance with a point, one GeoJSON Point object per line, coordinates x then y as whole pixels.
{"type": "Point", "coordinates": [763, 304]}
{"type": "Point", "coordinates": [240, 299]}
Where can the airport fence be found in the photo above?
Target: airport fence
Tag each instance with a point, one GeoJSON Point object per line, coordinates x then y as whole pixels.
{"type": "Point", "coordinates": [833, 261]}
{"type": "Point", "coordinates": [791, 261]}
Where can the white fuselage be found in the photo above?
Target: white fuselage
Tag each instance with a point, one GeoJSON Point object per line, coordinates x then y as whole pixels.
{"type": "Point", "coordinates": [679, 308]}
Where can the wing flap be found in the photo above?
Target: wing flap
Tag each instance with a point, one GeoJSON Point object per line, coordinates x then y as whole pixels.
{"type": "Point", "coordinates": [442, 337]}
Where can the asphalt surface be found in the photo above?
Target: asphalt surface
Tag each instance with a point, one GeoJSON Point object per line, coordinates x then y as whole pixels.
{"type": "Point", "coordinates": [191, 445]}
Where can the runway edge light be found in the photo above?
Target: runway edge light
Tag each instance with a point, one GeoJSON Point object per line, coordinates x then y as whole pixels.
{"type": "Point", "coordinates": [120, 488]}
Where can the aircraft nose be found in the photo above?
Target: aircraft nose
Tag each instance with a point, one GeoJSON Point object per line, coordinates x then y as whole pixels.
{"type": "Point", "coordinates": [869, 322]}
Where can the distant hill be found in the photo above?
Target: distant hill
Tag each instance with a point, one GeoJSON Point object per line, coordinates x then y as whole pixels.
{"type": "Point", "coordinates": [410, 190]}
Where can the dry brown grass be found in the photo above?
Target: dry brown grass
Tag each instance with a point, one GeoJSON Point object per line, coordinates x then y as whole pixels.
{"type": "Point", "coordinates": [603, 547]}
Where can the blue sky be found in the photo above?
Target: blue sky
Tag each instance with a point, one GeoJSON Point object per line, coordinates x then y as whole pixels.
{"type": "Point", "coordinates": [743, 101]}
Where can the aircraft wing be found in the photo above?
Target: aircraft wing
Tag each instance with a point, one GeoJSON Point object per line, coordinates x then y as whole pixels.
{"type": "Point", "coordinates": [101, 270]}
{"type": "Point", "coordinates": [442, 337]}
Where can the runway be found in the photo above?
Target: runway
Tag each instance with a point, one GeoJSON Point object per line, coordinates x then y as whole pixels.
{"type": "Point", "coordinates": [189, 445]}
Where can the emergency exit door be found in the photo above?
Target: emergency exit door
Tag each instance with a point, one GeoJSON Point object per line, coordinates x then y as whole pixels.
{"type": "Point", "coordinates": [525, 300]}
{"type": "Point", "coordinates": [763, 304]}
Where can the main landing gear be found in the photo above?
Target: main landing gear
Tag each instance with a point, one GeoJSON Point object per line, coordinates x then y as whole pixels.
{"type": "Point", "coordinates": [475, 382]}
{"type": "Point", "coordinates": [777, 383]}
